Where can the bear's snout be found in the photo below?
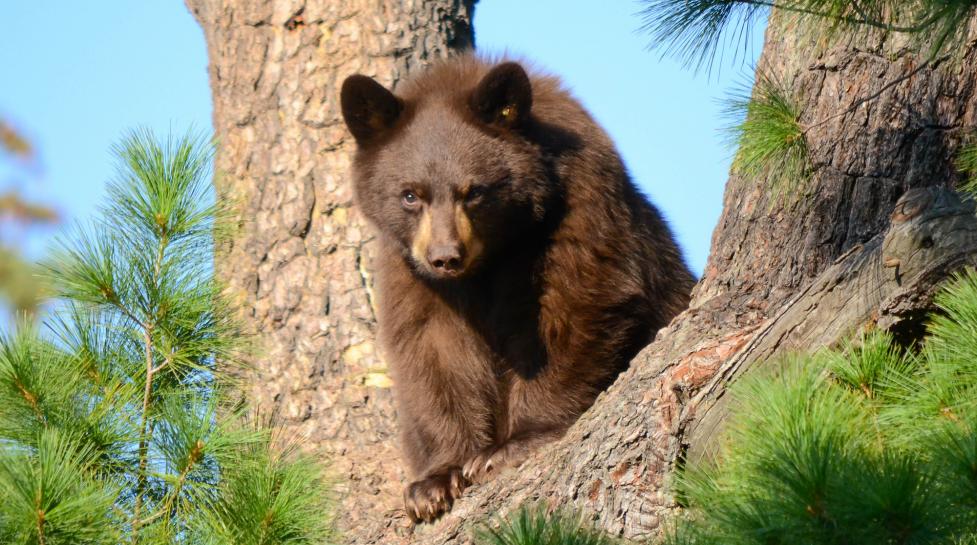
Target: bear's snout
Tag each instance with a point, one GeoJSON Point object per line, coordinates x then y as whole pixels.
{"type": "Point", "coordinates": [447, 259]}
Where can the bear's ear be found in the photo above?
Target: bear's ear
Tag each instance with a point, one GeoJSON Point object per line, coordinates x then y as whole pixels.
{"type": "Point", "coordinates": [368, 107]}
{"type": "Point", "coordinates": [503, 97]}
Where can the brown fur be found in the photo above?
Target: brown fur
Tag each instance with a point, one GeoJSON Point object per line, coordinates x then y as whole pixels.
{"type": "Point", "coordinates": [521, 278]}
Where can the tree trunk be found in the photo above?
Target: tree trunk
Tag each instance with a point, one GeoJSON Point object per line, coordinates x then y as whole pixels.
{"type": "Point", "coordinates": [300, 263]}
{"type": "Point", "coordinates": [877, 231]}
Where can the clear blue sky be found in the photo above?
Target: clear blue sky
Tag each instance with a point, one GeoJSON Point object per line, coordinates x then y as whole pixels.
{"type": "Point", "coordinates": [76, 75]}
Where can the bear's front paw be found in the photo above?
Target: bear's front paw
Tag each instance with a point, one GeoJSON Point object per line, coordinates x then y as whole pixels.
{"type": "Point", "coordinates": [429, 498]}
{"type": "Point", "coordinates": [485, 465]}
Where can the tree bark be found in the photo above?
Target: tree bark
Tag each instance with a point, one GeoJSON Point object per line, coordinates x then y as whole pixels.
{"type": "Point", "coordinates": [877, 230]}
{"type": "Point", "coordinates": [300, 265]}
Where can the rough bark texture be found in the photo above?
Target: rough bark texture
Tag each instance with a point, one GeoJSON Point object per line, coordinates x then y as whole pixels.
{"type": "Point", "coordinates": [878, 230]}
{"type": "Point", "coordinates": [300, 265]}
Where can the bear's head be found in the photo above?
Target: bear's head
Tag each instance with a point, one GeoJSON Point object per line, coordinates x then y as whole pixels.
{"type": "Point", "coordinates": [449, 169]}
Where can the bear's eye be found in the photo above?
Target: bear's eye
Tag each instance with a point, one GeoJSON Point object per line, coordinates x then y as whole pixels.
{"type": "Point", "coordinates": [476, 193]}
{"type": "Point", "coordinates": [409, 198]}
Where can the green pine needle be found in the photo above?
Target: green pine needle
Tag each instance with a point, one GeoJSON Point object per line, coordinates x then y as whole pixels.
{"type": "Point", "coordinates": [50, 494]}
{"type": "Point", "coordinates": [866, 444]}
{"type": "Point", "coordinates": [534, 526]}
{"type": "Point", "coordinates": [269, 493]}
{"type": "Point", "coordinates": [967, 163]}
{"type": "Point", "coordinates": [697, 31]}
{"type": "Point", "coordinates": [768, 137]}
{"type": "Point", "coordinates": [870, 365]}
{"type": "Point", "coordinates": [160, 187]}
{"type": "Point", "coordinates": [115, 422]}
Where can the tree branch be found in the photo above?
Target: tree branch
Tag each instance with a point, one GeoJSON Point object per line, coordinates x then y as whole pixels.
{"type": "Point", "coordinates": [862, 19]}
{"type": "Point", "coordinates": [145, 431]}
{"type": "Point", "coordinates": [143, 434]}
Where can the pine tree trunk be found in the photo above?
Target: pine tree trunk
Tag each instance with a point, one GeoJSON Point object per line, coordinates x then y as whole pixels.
{"type": "Point", "coordinates": [300, 264]}
{"type": "Point", "coordinates": [868, 244]}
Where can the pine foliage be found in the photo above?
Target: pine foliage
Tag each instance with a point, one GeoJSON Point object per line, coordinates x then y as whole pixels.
{"type": "Point", "coordinates": [696, 31]}
{"type": "Point", "coordinates": [865, 444]}
{"type": "Point", "coordinates": [967, 163]}
{"type": "Point", "coordinates": [116, 421]}
{"type": "Point", "coordinates": [534, 526]}
{"type": "Point", "coordinates": [767, 136]}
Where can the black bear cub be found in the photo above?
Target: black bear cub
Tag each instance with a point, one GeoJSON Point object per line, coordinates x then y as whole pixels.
{"type": "Point", "coordinates": [519, 271]}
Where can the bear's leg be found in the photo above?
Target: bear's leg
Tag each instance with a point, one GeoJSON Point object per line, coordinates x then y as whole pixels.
{"type": "Point", "coordinates": [435, 446]}
{"type": "Point", "coordinates": [488, 462]}
{"type": "Point", "coordinates": [430, 497]}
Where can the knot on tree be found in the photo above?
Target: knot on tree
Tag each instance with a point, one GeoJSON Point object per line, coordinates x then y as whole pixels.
{"type": "Point", "coordinates": [933, 233]}
{"type": "Point", "coordinates": [927, 222]}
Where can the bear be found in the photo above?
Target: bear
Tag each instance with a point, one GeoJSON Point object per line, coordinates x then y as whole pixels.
{"type": "Point", "coordinates": [518, 269]}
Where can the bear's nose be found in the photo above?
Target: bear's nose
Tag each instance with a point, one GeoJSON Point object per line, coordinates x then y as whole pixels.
{"type": "Point", "coordinates": [445, 258]}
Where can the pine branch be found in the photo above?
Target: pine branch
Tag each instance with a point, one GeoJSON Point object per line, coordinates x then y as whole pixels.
{"type": "Point", "coordinates": [766, 133]}
{"type": "Point", "coordinates": [534, 525]}
{"type": "Point", "coordinates": [40, 520]}
{"type": "Point", "coordinates": [144, 435]}
{"type": "Point", "coordinates": [129, 377]}
{"type": "Point", "coordinates": [863, 17]}
{"type": "Point", "coordinates": [967, 164]}
{"type": "Point", "coordinates": [900, 429]}
{"type": "Point", "coordinates": [694, 29]}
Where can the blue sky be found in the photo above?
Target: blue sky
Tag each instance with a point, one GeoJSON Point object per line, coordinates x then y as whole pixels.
{"type": "Point", "coordinates": [76, 75]}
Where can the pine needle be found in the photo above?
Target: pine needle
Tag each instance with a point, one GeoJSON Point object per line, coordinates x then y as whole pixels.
{"type": "Point", "coordinates": [765, 131]}
{"type": "Point", "coordinates": [116, 425]}
{"type": "Point", "coordinates": [697, 32]}
{"type": "Point", "coordinates": [967, 164]}
{"type": "Point", "coordinates": [865, 444]}
{"type": "Point", "coordinates": [532, 525]}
